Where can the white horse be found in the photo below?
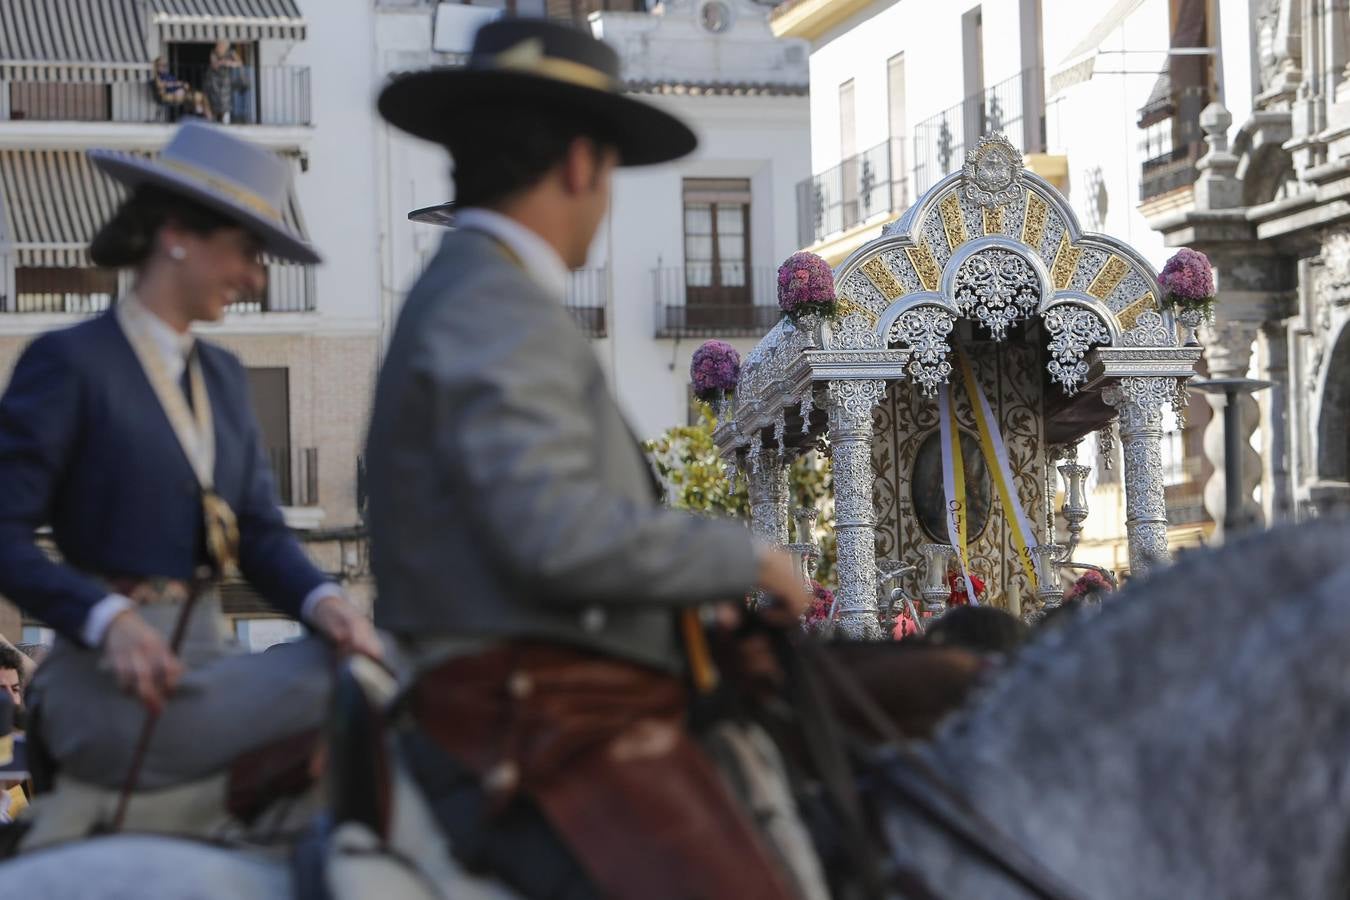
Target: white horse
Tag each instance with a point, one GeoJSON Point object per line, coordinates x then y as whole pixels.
{"type": "Point", "coordinates": [1191, 739]}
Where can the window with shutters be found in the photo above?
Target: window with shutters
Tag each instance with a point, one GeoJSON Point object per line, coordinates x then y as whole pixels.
{"type": "Point", "coordinates": [295, 470]}
{"type": "Point", "coordinates": [717, 242]}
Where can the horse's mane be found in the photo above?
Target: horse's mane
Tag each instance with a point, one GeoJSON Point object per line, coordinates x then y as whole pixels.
{"type": "Point", "coordinates": [1166, 719]}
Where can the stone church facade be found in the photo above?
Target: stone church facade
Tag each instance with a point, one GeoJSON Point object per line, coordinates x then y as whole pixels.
{"type": "Point", "coordinates": [1271, 208]}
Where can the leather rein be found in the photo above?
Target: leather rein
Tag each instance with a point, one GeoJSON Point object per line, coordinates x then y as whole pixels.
{"type": "Point", "coordinates": [921, 787]}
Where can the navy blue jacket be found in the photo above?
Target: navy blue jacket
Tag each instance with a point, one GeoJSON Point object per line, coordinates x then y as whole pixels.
{"type": "Point", "coordinates": [86, 449]}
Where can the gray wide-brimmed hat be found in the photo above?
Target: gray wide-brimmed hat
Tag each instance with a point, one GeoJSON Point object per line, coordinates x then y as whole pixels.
{"type": "Point", "coordinates": [238, 179]}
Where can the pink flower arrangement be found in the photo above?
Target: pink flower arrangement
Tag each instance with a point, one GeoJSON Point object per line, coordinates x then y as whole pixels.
{"type": "Point", "coordinates": [1188, 280]}
{"type": "Point", "coordinates": [818, 615]}
{"type": "Point", "coordinates": [1090, 582]}
{"type": "Point", "coordinates": [806, 286]}
{"type": "Point", "coordinates": [714, 370]}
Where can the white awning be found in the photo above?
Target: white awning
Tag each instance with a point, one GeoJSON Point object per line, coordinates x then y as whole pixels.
{"type": "Point", "coordinates": [52, 202]}
{"type": "Point", "coordinates": [230, 20]}
{"type": "Point", "coordinates": [73, 40]}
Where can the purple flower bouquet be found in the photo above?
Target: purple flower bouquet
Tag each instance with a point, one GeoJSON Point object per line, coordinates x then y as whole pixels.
{"type": "Point", "coordinates": [806, 287]}
{"type": "Point", "coordinates": [714, 370]}
{"type": "Point", "coordinates": [1188, 281]}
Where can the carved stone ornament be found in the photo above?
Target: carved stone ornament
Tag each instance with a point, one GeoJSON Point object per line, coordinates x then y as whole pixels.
{"type": "Point", "coordinates": [997, 287]}
{"type": "Point", "coordinates": [1267, 16]}
{"type": "Point", "coordinates": [924, 330]}
{"type": "Point", "coordinates": [1149, 331]}
{"type": "Point", "coordinates": [1335, 277]}
{"type": "Point", "coordinates": [993, 172]}
{"type": "Point", "coordinates": [1073, 331]}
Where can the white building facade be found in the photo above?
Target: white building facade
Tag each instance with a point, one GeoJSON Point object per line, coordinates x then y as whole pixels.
{"type": "Point", "coordinates": [689, 250]}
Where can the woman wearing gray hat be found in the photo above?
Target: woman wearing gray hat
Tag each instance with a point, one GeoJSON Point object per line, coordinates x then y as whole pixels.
{"type": "Point", "coordinates": [137, 444]}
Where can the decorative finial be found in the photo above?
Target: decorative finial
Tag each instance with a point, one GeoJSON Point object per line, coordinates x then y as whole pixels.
{"type": "Point", "coordinates": [993, 171]}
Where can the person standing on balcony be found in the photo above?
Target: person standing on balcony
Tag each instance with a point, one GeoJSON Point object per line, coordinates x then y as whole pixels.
{"type": "Point", "coordinates": [524, 560]}
{"type": "Point", "coordinates": [136, 442]}
{"type": "Point", "coordinates": [224, 71]}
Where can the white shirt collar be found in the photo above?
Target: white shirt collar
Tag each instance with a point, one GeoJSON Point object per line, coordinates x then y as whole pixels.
{"type": "Point", "coordinates": [173, 346]}
{"type": "Point", "coordinates": [542, 263]}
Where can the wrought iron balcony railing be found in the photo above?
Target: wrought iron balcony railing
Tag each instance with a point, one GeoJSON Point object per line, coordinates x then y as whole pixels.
{"type": "Point", "coordinates": [1014, 108]}
{"type": "Point", "coordinates": [702, 301]}
{"type": "Point", "coordinates": [259, 95]}
{"type": "Point", "coordinates": [1173, 140]}
{"type": "Point", "coordinates": [588, 300]}
{"type": "Point", "coordinates": [296, 470]}
{"type": "Point", "coordinates": [872, 183]}
{"type": "Point", "coordinates": [85, 292]}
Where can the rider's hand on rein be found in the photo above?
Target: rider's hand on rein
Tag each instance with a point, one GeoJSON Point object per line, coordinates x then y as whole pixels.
{"type": "Point", "coordinates": [347, 628]}
{"type": "Point", "coordinates": [141, 660]}
{"type": "Point", "coordinates": [781, 579]}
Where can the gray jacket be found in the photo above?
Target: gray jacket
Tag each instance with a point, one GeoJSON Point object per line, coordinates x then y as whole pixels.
{"type": "Point", "coordinates": [508, 497]}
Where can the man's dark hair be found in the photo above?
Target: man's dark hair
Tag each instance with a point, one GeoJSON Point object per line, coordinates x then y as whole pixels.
{"type": "Point", "coordinates": [129, 236]}
{"type": "Point", "coordinates": [982, 629]}
{"type": "Point", "coordinates": [11, 659]}
{"type": "Point", "coordinates": [512, 149]}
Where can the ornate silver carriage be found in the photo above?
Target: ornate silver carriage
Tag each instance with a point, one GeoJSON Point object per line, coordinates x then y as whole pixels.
{"type": "Point", "coordinates": [989, 284]}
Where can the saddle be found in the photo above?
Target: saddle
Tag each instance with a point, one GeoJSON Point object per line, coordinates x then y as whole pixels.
{"type": "Point", "coordinates": [262, 795]}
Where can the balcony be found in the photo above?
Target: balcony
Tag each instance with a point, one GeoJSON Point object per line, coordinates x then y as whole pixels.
{"type": "Point", "coordinates": [702, 301]}
{"type": "Point", "coordinates": [873, 183]}
{"type": "Point", "coordinates": [296, 471]}
{"type": "Point", "coordinates": [588, 300]}
{"type": "Point", "coordinates": [1173, 140]}
{"type": "Point", "coordinates": [85, 292]}
{"type": "Point", "coordinates": [290, 289]}
{"type": "Point", "coordinates": [267, 95]}
{"type": "Point", "coordinates": [941, 142]}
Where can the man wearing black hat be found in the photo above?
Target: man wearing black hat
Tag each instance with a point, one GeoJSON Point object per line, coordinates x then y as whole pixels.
{"type": "Point", "coordinates": [546, 600]}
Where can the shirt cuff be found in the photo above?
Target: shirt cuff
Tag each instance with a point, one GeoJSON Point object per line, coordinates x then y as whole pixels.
{"type": "Point", "coordinates": [100, 617]}
{"type": "Point", "coordinates": [327, 589]}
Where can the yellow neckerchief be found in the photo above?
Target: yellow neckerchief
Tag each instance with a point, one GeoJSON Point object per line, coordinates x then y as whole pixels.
{"type": "Point", "coordinates": [194, 427]}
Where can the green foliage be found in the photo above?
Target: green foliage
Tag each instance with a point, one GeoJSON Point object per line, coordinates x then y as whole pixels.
{"type": "Point", "coordinates": [686, 459]}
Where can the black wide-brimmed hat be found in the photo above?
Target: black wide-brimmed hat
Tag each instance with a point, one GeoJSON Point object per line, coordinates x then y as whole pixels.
{"type": "Point", "coordinates": [246, 183]}
{"type": "Point", "coordinates": [539, 64]}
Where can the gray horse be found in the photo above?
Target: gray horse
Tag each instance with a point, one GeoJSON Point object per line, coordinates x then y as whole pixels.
{"type": "Point", "coordinates": [1191, 739]}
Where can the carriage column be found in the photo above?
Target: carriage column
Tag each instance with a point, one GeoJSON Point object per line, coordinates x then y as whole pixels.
{"type": "Point", "coordinates": [769, 497]}
{"type": "Point", "coordinates": [1139, 400]}
{"type": "Point", "coordinates": [850, 408]}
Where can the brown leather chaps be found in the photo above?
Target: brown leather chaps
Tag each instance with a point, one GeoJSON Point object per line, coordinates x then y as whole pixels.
{"type": "Point", "coordinates": [601, 746]}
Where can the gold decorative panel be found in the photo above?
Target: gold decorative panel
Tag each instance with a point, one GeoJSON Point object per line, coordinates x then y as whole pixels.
{"type": "Point", "coordinates": [921, 257]}
{"type": "Point", "coordinates": [848, 308]}
{"type": "Point", "coordinates": [1109, 277]}
{"type": "Point", "coordinates": [881, 275]}
{"type": "Point", "coordinates": [1066, 260]}
{"type": "Point", "coordinates": [953, 222]}
{"type": "Point", "coordinates": [993, 220]}
{"type": "Point", "coordinates": [1033, 224]}
{"type": "Point", "coordinates": [1130, 314]}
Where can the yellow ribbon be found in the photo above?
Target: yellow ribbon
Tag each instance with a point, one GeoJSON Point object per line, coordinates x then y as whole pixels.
{"type": "Point", "coordinates": [1023, 538]}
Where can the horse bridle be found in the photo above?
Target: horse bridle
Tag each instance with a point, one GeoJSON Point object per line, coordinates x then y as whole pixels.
{"type": "Point", "coordinates": [929, 794]}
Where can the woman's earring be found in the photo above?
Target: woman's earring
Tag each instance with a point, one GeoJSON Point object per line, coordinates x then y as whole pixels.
{"type": "Point", "coordinates": [178, 253]}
